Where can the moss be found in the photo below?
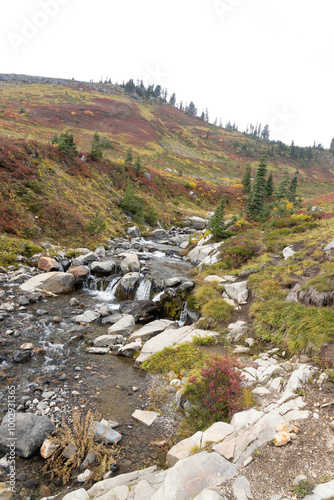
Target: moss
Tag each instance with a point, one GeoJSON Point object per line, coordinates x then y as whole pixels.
{"type": "Point", "coordinates": [10, 248]}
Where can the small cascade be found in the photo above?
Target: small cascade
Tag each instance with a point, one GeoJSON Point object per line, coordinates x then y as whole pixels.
{"type": "Point", "coordinates": [112, 287]}
{"type": "Point", "coordinates": [183, 316]}
{"type": "Point", "coordinates": [92, 284]}
{"type": "Point", "coordinates": [144, 290]}
{"type": "Point", "coordinates": [158, 296]}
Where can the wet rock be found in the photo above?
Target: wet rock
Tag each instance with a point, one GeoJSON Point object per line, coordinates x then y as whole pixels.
{"type": "Point", "coordinates": [139, 308]}
{"type": "Point", "coordinates": [21, 356]}
{"type": "Point", "coordinates": [159, 233]}
{"type": "Point", "coordinates": [74, 302]}
{"type": "Point", "coordinates": [54, 282]}
{"type": "Point", "coordinates": [30, 432]}
{"type": "Point", "coordinates": [48, 264]}
{"type": "Point", "coordinates": [128, 285]}
{"type": "Point", "coordinates": [86, 317]}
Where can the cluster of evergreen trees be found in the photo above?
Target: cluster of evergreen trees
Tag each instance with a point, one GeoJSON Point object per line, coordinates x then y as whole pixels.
{"type": "Point", "coordinates": [262, 190]}
{"type": "Point", "coordinates": [67, 145]}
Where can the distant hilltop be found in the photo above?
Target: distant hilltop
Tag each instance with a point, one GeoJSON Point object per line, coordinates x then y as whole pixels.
{"type": "Point", "coordinates": [13, 77]}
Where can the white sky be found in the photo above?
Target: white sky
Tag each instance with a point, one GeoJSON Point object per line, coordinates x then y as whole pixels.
{"type": "Point", "coordinates": [268, 61]}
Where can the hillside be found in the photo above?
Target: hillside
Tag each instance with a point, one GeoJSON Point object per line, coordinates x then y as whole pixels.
{"type": "Point", "coordinates": [186, 163]}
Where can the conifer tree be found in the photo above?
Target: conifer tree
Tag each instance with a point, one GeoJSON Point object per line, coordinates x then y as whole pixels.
{"type": "Point", "coordinates": [138, 165]}
{"type": "Point", "coordinates": [246, 180]}
{"type": "Point", "coordinates": [54, 139]}
{"type": "Point", "coordinates": [255, 207]}
{"type": "Point", "coordinates": [293, 188]}
{"type": "Point", "coordinates": [283, 187]}
{"type": "Point", "coordinates": [270, 185]}
{"type": "Point", "coordinates": [216, 223]}
{"type": "Point", "coordinates": [96, 150]}
{"type": "Point", "coordinates": [66, 144]}
{"type": "Point", "coordinates": [129, 158]}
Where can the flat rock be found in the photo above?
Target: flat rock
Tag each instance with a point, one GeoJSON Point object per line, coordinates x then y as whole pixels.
{"type": "Point", "coordinates": [171, 337]}
{"type": "Point", "coordinates": [106, 433]}
{"type": "Point", "coordinates": [145, 417]}
{"type": "Point", "coordinates": [86, 317]}
{"type": "Point", "coordinates": [151, 329]}
{"type": "Point", "coordinates": [213, 278]}
{"type": "Point", "coordinates": [80, 494]}
{"type": "Point", "coordinates": [242, 489]}
{"type": "Point", "coordinates": [124, 326]}
{"type": "Point", "coordinates": [54, 282]}
{"type": "Point", "coordinates": [108, 340]}
{"type": "Point", "coordinates": [130, 349]}
{"type": "Point", "coordinates": [104, 267]}
{"type": "Point", "coordinates": [184, 448]}
{"type": "Point", "coordinates": [98, 350]}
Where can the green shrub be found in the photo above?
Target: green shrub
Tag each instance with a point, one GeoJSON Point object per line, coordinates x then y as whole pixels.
{"type": "Point", "coordinates": [10, 248]}
{"type": "Point", "coordinates": [204, 294]}
{"type": "Point", "coordinates": [96, 224]}
{"type": "Point", "coordinates": [185, 356]}
{"type": "Point", "coordinates": [239, 249]}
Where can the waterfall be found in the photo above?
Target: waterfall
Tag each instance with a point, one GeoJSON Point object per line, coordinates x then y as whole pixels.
{"type": "Point", "coordinates": [144, 290]}
{"type": "Point", "coordinates": [112, 287]}
{"type": "Point", "coordinates": [183, 316]}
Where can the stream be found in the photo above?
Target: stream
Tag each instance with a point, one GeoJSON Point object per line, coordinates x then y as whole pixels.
{"type": "Point", "coordinates": [106, 384]}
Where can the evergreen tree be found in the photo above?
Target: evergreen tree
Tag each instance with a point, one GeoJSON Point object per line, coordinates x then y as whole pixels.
{"type": "Point", "coordinates": [138, 165]}
{"type": "Point", "coordinates": [255, 207]}
{"type": "Point", "coordinates": [265, 132]}
{"type": "Point", "coordinates": [293, 188]}
{"type": "Point", "coordinates": [172, 100]}
{"type": "Point", "coordinates": [129, 157]}
{"type": "Point", "coordinates": [216, 222]}
{"type": "Point", "coordinates": [96, 150]}
{"type": "Point", "coordinates": [67, 145]}
{"type": "Point", "coordinates": [270, 185]}
{"type": "Point", "coordinates": [246, 181]}
{"type": "Point", "coordinates": [54, 139]}
{"type": "Point", "coordinates": [283, 187]}
{"type": "Point", "coordinates": [191, 110]}
{"type": "Point", "coordinates": [331, 147]}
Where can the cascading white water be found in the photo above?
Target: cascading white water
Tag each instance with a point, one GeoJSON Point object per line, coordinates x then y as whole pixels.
{"type": "Point", "coordinates": [144, 290]}
{"type": "Point", "coordinates": [183, 316]}
{"type": "Point", "coordinates": [158, 296]}
{"type": "Point", "coordinates": [112, 287]}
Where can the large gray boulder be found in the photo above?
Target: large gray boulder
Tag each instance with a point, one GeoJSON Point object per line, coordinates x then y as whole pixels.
{"type": "Point", "coordinates": [30, 432]}
{"type": "Point", "coordinates": [143, 309]}
{"type": "Point", "coordinates": [54, 282]}
{"type": "Point", "coordinates": [85, 259]}
{"type": "Point", "coordinates": [151, 329]}
{"type": "Point", "coordinates": [133, 232]}
{"type": "Point", "coordinates": [104, 267]}
{"type": "Point", "coordinates": [199, 253]}
{"type": "Point", "coordinates": [237, 291]}
{"type": "Point", "coordinates": [198, 222]}
{"type": "Point", "coordinates": [128, 285]}
{"type": "Point", "coordinates": [130, 264]}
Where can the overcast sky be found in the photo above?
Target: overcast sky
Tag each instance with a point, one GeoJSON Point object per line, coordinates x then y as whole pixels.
{"type": "Point", "coordinates": [248, 61]}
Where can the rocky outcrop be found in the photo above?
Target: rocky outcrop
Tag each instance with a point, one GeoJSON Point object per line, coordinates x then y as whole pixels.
{"type": "Point", "coordinates": [199, 253]}
{"type": "Point", "coordinates": [54, 282]}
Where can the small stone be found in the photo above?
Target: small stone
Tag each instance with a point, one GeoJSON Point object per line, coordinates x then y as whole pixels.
{"type": "Point", "coordinates": [284, 427]}
{"type": "Point", "coordinates": [146, 417]}
{"type": "Point", "coordinates": [299, 479]}
{"type": "Point", "coordinates": [281, 438]}
{"type": "Point", "coordinates": [82, 478]}
{"type": "Point", "coordinates": [331, 425]}
{"type": "Point", "coordinates": [44, 491]}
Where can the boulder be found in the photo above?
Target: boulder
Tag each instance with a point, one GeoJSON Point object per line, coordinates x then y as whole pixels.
{"type": "Point", "coordinates": [48, 264]}
{"type": "Point", "coordinates": [80, 273]}
{"type": "Point", "coordinates": [108, 340]}
{"type": "Point", "coordinates": [84, 259]}
{"type": "Point", "coordinates": [143, 309]}
{"type": "Point", "coordinates": [124, 326]}
{"type": "Point", "coordinates": [197, 222]}
{"type": "Point", "coordinates": [213, 278]}
{"type": "Point", "coordinates": [287, 252]}
{"type": "Point", "coordinates": [237, 331]}
{"type": "Point", "coordinates": [104, 267]}
{"type": "Point", "coordinates": [237, 291]}
{"type": "Point", "coordinates": [133, 232]}
{"type": "Point", "coordinates": [130, 264]}
{"type": "Point", "coordinates": [159, 233]}
{"type": "Point", "coordinates": [199, 253]}
{"type": "Point", "coordinates": [128, 285]}
{"type": "Point", "coordinates": [54, 282]}
{"type": "Point", "coordinates": [30, 432]}
{"type": "Point", "coordinates": [100, 252]}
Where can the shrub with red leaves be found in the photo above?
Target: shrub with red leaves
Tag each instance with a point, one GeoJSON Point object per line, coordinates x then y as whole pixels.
{"type": "Point", "coordinates": [217, 393]}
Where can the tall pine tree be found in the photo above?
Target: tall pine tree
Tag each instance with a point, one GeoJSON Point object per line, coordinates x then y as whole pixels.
{"type": "Point", "coordinates": [96, 150]}
{"type": "Point", "coordinates": [293, 188]}
{"type": "Point", "coordinates": [283, 187]}
{"type": "Point", "coordinates": [216, 222]}
{"type": "Point", "coordinates": [246, 180]}
{"type": "Point", "coordinates": [255, 207]}
{"type": "Point", "coordinates": [270, 185]}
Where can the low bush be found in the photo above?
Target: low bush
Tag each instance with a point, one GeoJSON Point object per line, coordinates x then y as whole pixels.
{"type": "Point", "coordinates": [216, 393]}
{"type": "Point", "coordinates": [10, 248]}
{"type": "Point", "coordinates": [240, 249]}
{"type": "Point", "coordinates": [218, 311]}
{"type": "Point", "coordinates": [81, 435]}
{"type": "Point", "coordinates": [177, 359]}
